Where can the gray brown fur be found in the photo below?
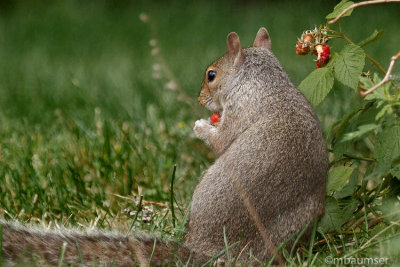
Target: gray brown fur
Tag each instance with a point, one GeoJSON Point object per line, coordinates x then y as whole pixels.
{"type": "Point", "coordinates": [270, 177]}
{"type": "Point", "coordinates": [267, 183]}
{"type": "Point", "coordinates": [89, 248]}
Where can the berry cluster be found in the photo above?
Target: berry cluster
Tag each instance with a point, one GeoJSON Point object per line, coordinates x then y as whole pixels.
{"type": "Point", "coordinates": [315, 41]}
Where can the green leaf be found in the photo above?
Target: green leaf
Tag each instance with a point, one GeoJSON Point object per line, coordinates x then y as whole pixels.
{"type": "Point", "coordinates": [387, 146]}
{"type": "Point", "coordinates": [366, 83]}
{"type": "Point", "coordinates": [395, 171]}
{"type": "Point", "coordinates": [336, 214]}
{"type": "Point", "coordinates": [348, 189]}
{"type": "Point", "coordinates": [372, 38]}
{"type": "Point", "coordinates": [386, 109]}
{"type": "Point", "coordinates": [349, 64]}
{"type": "Point", "coordinates": [337, 177]}
{"type": "Point", "coordinates": [362, 130]}
{"type": "Point", "coordinates": [375, 172]}
{"type": "Point", "coordinates": [379, 93]}
{"type": "Point", "coordinates": [390, 208]}
{"type": "Point", "coordinates": [332, 218]}
{"type": "Point", "coordinates": [339, 8]}
{"type": "Point", "coordinates": [317, 85]}
{"type": "Point", "coordinates": [348, 206]}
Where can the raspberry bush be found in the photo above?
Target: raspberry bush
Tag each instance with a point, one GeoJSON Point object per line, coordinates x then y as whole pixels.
{"type": "Point", "coordinates": [364, 178]}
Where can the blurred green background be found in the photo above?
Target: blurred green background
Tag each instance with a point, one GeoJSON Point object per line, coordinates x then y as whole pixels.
{"type": "Point", "coordinates": [85, 109]}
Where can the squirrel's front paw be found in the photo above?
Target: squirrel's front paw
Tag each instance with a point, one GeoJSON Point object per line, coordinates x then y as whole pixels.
{"type": "Point", "coordinates": [202, 129]}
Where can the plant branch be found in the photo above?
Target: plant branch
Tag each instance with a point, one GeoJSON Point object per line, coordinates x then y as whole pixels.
{"type": "Point", "coordinates": [385, 79]}
{"type": "Point", "coordinates": [376, 63]}
{"type": "Point", "coordinates": [358, 5]}
{"type": "Point", "coordinates": [349, 156]}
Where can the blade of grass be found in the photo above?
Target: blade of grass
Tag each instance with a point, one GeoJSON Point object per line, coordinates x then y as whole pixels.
{"type": "Point", "coordinates": [139, 207]}
{"type": "Point", "coordinates": [1, 245]}
{"type": "Point", "coordinates": [371, 244]}
{"type": "Point", "coordinates": [80, 254]}
{"type": "Point", "coordinates": [313, 260]}
{"type": "Point", "coordinates": [343, 244]}
{"type": "Point", "coordinates": [312, 242]}
{"type": "Point", "coordinates": [214, 257]}
{"type": "Point", "coordinates": [227, 253]}
{"type": "Point", "coordinates": [171, 206]}
{"type": "Point", "coordinates": [298, 238]}
{"type": "Point", "coordinates": [152, 252]}
{"type": "Point", "coordinates": [61, 260]}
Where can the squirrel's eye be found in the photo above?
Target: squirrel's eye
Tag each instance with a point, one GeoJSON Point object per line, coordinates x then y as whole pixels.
{"type": "Point", "coordinates": [211, 75]}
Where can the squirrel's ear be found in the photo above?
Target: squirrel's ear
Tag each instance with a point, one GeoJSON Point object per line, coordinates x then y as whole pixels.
{"type": "Point", "coordinates": [234, 48]}
{"type": "Point", "coordinates": [262, 39]}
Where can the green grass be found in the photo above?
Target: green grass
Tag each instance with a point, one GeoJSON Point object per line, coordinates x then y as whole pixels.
{"type": "Point", "coordinates": [86, 123]}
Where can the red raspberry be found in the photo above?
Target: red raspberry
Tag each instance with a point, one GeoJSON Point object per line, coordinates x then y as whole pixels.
{"type": "Point", "coordinates": [325, 54]}
{"type": "Point", "coordinates": [214, 118]}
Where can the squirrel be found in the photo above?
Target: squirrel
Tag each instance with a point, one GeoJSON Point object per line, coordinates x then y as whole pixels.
{"type": "Point", "coordinates": [267, 184]}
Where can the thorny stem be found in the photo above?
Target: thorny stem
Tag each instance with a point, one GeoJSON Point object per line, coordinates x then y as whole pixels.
{"type": "Point", "coordinates": [360, 4]}
{"type": "Point", "coordinates": [385, 79]}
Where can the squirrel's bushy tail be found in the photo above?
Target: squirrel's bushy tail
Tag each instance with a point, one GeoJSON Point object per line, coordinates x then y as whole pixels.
{"type": "Point", "coordinates": [21, 244]}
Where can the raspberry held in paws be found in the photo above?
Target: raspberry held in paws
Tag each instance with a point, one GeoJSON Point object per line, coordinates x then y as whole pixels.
{"type": "Point", "coordinates": [214, 118]}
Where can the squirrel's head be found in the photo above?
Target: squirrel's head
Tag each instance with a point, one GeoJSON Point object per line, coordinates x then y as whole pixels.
{"type": "Point", "coordinates": [219, 72]}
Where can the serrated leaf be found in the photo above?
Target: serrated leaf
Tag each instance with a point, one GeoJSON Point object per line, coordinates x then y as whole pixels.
{"type": "Point", "coordinates": [389, 208]}
{"type": "Point", "coordinates": [332, 218]}
{"type": "Point", "coordinates": [348, 206]}
{"type": "Point", "coordinates": [395, 171]}
{"type": "Point", "coordinates": [336, 214]}
{"type": "Point", "coordinates": [337, 177]}
{"type": "Point", "coordinates": [386, 109]}
{"type": "Point", "coordinates": [372, 38]}
{"type": "Point", "coordinates": [366, 83]}
{"type": "Point", "coordinates": [339, 8]}
{"type": "Point", "coordinates": [349, 64]}
{"type": "Point", "coordinates": [348, 189]}
{"type": "Point", "coordinates": [317, 85]}
{"type": "Point", "coordinates": [361, 130]}
{"type": "Point", "coordinates": [379, 93]}
{"type": "Point", "coordinates": [387, 146]}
